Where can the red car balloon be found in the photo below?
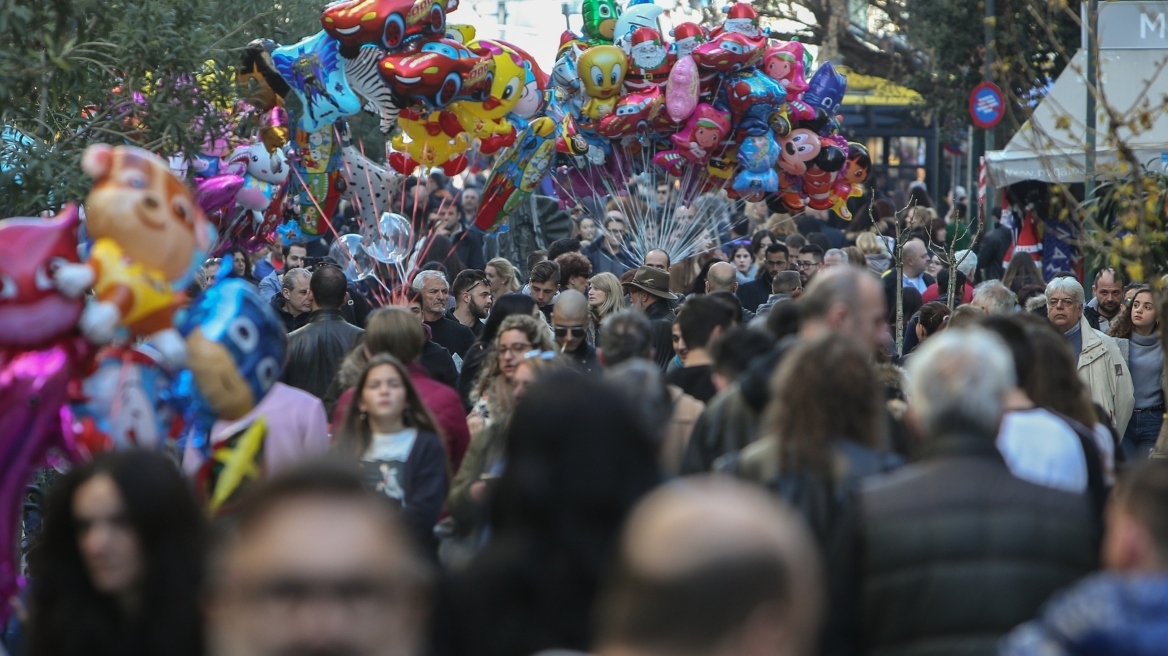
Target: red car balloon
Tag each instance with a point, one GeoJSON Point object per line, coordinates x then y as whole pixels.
{"type": "Point", "coordinates": [388, 23]}
{"type": "Point", "coordinates": [439, 73]}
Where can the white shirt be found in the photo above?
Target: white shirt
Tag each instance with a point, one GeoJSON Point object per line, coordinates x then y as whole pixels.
{"type": "Point", "coordinates": [917, 283]}
{"type": "Point", "coordinates": [1041, 448]}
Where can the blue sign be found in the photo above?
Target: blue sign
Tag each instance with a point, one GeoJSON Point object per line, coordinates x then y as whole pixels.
{"type": "Point", "coordinates": [986, 105]}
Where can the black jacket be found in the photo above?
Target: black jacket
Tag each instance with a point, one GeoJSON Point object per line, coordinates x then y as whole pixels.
{"type": "Point", "coordinates": [890, 286]}
{"type": "Point", "coordinates": [584, 359]}
{"type": "Point", "coordinates": [754, 293]}
{"type": "Point", "coordinates": [992, 254]}
{"type": "Point", "coordinates": [290, 322]}
{"type": "Point", "coordinates": [316, 350]}
{"type": "Point", "coordinates": [661, 320]}
{"type": "Point", "coordinates": [438, 362]}
{"type": "Point", "coordinates": [953, 552]}
{"type": "Point", "coordinates": [468, 245]}
{"type": "Point", "coordinates": [451, 335]}
{"type": "Point", "coordinates": [603, 262]}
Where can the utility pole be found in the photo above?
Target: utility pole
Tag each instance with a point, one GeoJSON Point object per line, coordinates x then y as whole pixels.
{"type": "Point", "coordinates": [1090, 35]}
{"type": "Point", "coordinates": [990, 21]}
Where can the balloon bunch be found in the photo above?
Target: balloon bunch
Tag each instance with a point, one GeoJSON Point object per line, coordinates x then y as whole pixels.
{"type": "Point", "coordinates": [716, 110]}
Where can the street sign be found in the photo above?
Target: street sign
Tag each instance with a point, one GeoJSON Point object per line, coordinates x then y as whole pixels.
{"type": "Point", "coordinates": [986, 105]}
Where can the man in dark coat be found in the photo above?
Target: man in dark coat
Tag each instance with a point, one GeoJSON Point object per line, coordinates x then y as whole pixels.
{"type": "Point", "coordinates": [649, 292]}
{"type": "Point", "coordinates": [316, 350]}
{"type": "Point", "coordinates": [757, 291]}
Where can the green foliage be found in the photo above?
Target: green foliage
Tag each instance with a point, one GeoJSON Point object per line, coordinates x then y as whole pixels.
{"type": "Point", "coordinates": [69, 70]}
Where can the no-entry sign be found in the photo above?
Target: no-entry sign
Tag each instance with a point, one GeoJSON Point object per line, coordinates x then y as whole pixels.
{"type": "Point", "coordinates": [986, 106]}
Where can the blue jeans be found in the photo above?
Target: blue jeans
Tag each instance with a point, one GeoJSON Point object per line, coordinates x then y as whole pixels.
{"type": "Point", "coordinates": [1141, 434]}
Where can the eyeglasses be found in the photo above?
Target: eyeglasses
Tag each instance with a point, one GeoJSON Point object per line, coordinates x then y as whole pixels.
{"type": "Point", "coordinates": [560, 331]}
{"type": "Point", "coordinates": [805, 265]}
{"type": "Point", "coordinates": [515, 349]}
{"type": "Point", "coordinates": [1060, 302]}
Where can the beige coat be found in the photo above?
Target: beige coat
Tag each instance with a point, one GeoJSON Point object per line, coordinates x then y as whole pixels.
{"type": "Point", "coordinates": [686, 410]}
{"type": "Point", "coordinates": [1105, 373]}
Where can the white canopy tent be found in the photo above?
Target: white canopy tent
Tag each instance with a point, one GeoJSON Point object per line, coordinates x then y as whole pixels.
{"type": "Point", "coordinates": [1051, 146]}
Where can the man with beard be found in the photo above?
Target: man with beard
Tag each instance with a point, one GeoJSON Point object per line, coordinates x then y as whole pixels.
{"type": "Point", "coordinates": [472, 298]}
{"type": "Point", "coordinates": [757, 291]}
{"type": "Point", "coordinates": [1104, 308]}
{"type": "Point", "coordinates": [295, 299]}
{"type": "Point", "coordinates": [446, 332]}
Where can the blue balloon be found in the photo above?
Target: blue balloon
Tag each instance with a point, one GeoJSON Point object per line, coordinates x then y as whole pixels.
{"type": "Point", "coordinates": [826, 89]}
{"type": "Point", "coordinates": [315, 71]}
{"type": "Point", "coordinates": [751, 97]}
{"type": "Point", "coordinates": [757, 157]}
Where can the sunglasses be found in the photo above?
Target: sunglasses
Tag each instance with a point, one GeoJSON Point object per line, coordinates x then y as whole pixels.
{"type": "Point", "coordinates": [577, 331]}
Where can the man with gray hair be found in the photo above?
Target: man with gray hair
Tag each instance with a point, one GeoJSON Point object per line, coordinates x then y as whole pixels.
{"type": "Point", "coordinates": [785, 287]}
{"type": "Point", "coordinates": [992, 297]}
{"type": "Point", "coordinates": [952, 552]}
{"type": "Point", "coordinates": [294, 301]}
{"type": "Point", "coordinates": [1101, 364]}
{"type": "Point", "coordinates": [834, 257]}
{"type": "Point", "coordinates": [444, 331]}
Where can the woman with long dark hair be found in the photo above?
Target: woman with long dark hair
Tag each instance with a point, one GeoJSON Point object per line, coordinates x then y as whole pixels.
{"type": "Point", "coordinates": [1021, 272]}
{"type": "Point", "coordinates": [240, 264]}
{"type": "Point", "coordinates": [390, 431]}
{"type": "Point", "coordinates": [1137, 332]}
{"type": "Point", "coordinates": [121, 563]}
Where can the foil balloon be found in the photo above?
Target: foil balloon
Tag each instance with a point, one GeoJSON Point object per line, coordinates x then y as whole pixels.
{"type": "Point", "coordinates": [602, 72]}
{"type": "Point", "coordinates": [313, 68]}
{"type": "Point", "coordinates": [826, 89]}
{"type": "Point", "coordinates": [257, 78]}
{"type": "Point", "coordinates": [686, 37]}
{"type": "Point", "coordinates": [263, 172]}
{"type": "Point", "coordinates": [361, 72]}
{"type": "Point", "coordinates": [634, 112]}
{"type": "Point", "coordinates": [756, 157]}
{"type": "Point", "coordinates": [149, 239]}
{"type": "Point", "coordinates": [289, 233]}
{"type": "Point", "coordinates": [742, 18]}
{"type": "Point", "coordinates": [565, 73]}
{"type": "Point", "coordinates": [32, 312]}
{"type": "Point", "coordinates": [316, 182]}
{"type": "Point", "coordinates": [355, 261]}
{"type": "Point", "coordinates": [389, 239]}
{"type": "Point", "coordinates": [274, 132]}
{"type": "Point", "coordinates": [696, 142]}
{"type": "Point", "coordinates": [517, 173]}
{"type": "Point", "coordinates": [635, 16]}
{"type": "Point", "coordinates": [649, 60]}
{"type": "Point", "coordinates": [438, 73]}
{"type": "Point", "coordinates": [600, 19]}
{"type": "Point", "coordinates": [368, 185]}
{"type": "Point", "coordinates": [849, 183]}
{"type": "Point", "coordinates": [236, 346]}
{"type": "Point", "coordinates": [431, 139]}
{"type": "Point", "coordinates": [216, 197]}
{"type": "Point", "coordinates": [681, 94]}
{"type": "Point", "coordinates": [123, 402]}
{"type": "Point", "coordinates": [729, 52]}
{"type": "Point", "coordinates": [752, 98]}
{"type": "Point", "coordinates": [532, 100]}
{"type": "Point", "coordinates": [391, 25]}
{"type": "Point", "coordinates": [487, 120]}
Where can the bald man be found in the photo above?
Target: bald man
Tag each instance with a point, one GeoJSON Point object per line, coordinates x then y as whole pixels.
{"type": "Point", "coordinates": [915, 258]}
{"type": "Point", "coordinates": [570, 324]}
{"type": "Point", "coordinates": [721, 277]}
{"type": "Point", "coordinates": [711, 566]}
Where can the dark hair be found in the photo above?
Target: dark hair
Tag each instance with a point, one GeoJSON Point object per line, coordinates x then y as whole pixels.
{"type": "Point", "coordinates": [440, 250]}
{"type": "Point", "coordinates": [466, 279]}
{"type": "Point", "coordinates": [535, 257]}
{"type": "Point", "coordinates": [573, 264]}
{"type": "Point", "coordinates": [573, 474]}
{"type": "Point", "coordinates": [626, 335]}
{"type": "Point", "coordinates": [668, 260]}
{"type": "Point", "coordinates": [735, 348]}
{"type": "Point", "coordinates": [1143, 493]}
{"type": "Point", "coordinates": [1123, 326]}
{"type": "Point", "coordinates": [784, 319]}
{"type": "Point", "coordinates": [396, 331]}
{"type": "Point", "coordinates": [355, 435]}
{"type": "Point", "coordinates": [328, 287]}
{"type": "Point", "coordinates": [943, 284]}
{"type": "Point", "coordinates": [613, 219]}
{"type": "Point", "coordinates": [246, 261]}
{"type": "Point", "coordinates": [1013, 333]}
{"type": "Point", "coordinates": [284, 250]}
{"type": "Point", "coordinates": [794, 243]}
{"type": "Point", "coordinates": [546, 271]}
{"type": "Point", "coordinates": [785, 282]}
{"type": "Point", "coordinates": [819, 240]}
{"type": "Point", "coordinates": [808, 225]}
{"type": "Point", "coordinates": [731, 303]}
{"type": "Point", "coordinates": [911, 303]}
{"type": "Point", "coordinates": [70, 617]}
{"type": "Point", "coordinates": [503, 307]}
{"type": "Point", "coordinates": [932, 316]}
{"type": "Point", "coordinates": [1115, 275]}
{"type": "Point", "coordinates": [561, 246]}
{"type": "Point", "coordinates": [1055, 383]}
{"type": "Point", "coordinates": [778, 247]}
{"type": "Point", "coordinates": [756, 241]}
{"type": "Point", "coordinates": [813, 250]}
{"type": "Point", "coordinates": [1022, 272]}
{"type": "Point", "coordinates": [1028, 292]}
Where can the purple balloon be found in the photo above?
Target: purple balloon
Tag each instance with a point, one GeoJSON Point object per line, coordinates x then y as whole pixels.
{"type": "Point", "coordinates": [216, 195]}
{"type": "Point", "coordinates": [826, 88]}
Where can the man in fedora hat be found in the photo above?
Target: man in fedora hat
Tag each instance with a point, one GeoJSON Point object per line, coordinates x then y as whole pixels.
{"type": "Point", "coordinates": [649, 292]}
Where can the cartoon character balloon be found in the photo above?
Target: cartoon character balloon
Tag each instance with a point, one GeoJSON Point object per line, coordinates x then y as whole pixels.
{"type": "Point", "coordinates": [518, 172]}
{"type": "Point", "coordinates": [638, 14]}
{"type": "Point", "coordinates": [315, 71]}
{"type": "Point", "coordinates": [849, 182]}
{"type": "Point", "coordinates": [433, 141]}
{"type": "Point", "coordinates": [602, 72]}
{"type": "Point", "coordinates": [600, 18]}
{"type": "Point", "coordinates": [150, 237]}
{"type": "Point", "coordinates": [784, 64]}
{"type": "Point", "coordinates": [368, 185]}
{"type": "Point", "coordinates": [752, 98]}
{"type": "Point", "coordinates": [757, 156]}
{"type": "Point", "coordinates": [696, 142]}
{"type": "Point", "coordinates": [487, 120]}
{"type": "Point", "coordinates": [686, 37]}
{"type": "Point", "coordinates": [32, 312]}
{"type": "Point", "coordinates": [264, 174]}
{"type": "Point", "coordinates": [649, 60]}
{"type": "Point", "coordinates": [361, 72]}
{"type": "Point", "coordinates": [826, 89]}
{"type": "Point", "coordinates": [124, 402]}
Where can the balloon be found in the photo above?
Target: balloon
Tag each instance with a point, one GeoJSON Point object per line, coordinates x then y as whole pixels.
{"type": "Point", "coordinates": [438, 73]}
{"type": "Point", "coordinates": [124, 403]}
{"type": "Point", "coordinates": [392, 25]}
{"type": "Point", "coordinates": [633, 112]}
{"type": "Point", "coordinates": [216, 197]}
{"type": "Point", "coordinates": [696, 142]}
{"type": "Point", "coordinates": [150, 238]}
{"type": "Point", "coordinates": [636, 15]}
{"type": "Point", "coordinates": [368, 185]}
{"type": "Point", "coordinates": [803, 148]}
{"type": "Point", "coordinates": [649, 60]}
{"type": "Point", "coordinates": [436, 139]}
{"type": "Point", "coordinates": [235, 463]}
{"type": "Point", "coordinates": [363, 78]}
{"type": "Point", "coordinates": [257, 78]}
{"type": "Point", "coordinates": [347, 252]}
{"type": "Point", "coordinates": [681, 95]}
{"type": "Point", "coordinates": [849, 182]}
{"type": "Point", "coordinates": [600, 20]}
{"type": "Point", "coordinates": [602, 71]}
{"type": "Point", "coordinates": [313, 68]}
{"type": "Point", "coordinates": [742, 18]}
{"type": "Point", "coordinates": [729, 52]}
{"type": "Point", "coordinates": [317, 180]}
{"type": "Point", "coordinates": [757, 156]}
{"type": "Point", "coordinates": [390, 240]}
{"type": "Point", "coordinates": [826, 89]}
{"type": "Point", "coordinates": [263, 174]}
{"type": "Point", "coordinates": [487, 120]}
{"type": "Point", "coordinates": [274, 132]}
{"type": "Point", "coordinates": [752, 98]}
{"type": "Point", "coordinates": [687, 36]}
{"type": "Point", "coordinates": [289, 233]}
{"type": "Point", "coordinates": [517, 172]}
{"type": "Point", "coordinates": [564, 73]}
{"type": "Point", "coordinates": [532, 100]}
{"type": "Point", "coordinates": [32, 311]}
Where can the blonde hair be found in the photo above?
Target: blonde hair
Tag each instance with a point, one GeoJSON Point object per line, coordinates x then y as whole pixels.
{"type": "Point", "coordinates": [506, 271]}
{"type": "Point", "coordinates": [491, 382]}
{"type": "Point", "coordinates": [614, 296]}
{"type": "Point", "coordinates": [871, 243]}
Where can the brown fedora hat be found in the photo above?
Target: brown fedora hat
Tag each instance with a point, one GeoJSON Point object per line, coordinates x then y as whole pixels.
{"type": "Point", "coordinates": [652, 281]}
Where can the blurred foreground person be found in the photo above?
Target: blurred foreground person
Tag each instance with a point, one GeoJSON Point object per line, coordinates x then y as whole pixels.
{"type": "Point", "coordinates": [572, 475]}
{"type": "Point", "coordinates": [316, 564]}
{"type": "Point", "coordinates": [711, 567]}
{"type": "Point", "coordinates": [121, 563]}
{"type": "Point", "coordinates": [1123, 610]}
{"type": "Point", "coordinates": [954, 551]}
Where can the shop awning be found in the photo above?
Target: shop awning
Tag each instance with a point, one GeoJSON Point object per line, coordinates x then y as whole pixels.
{"type": "Point", "coordinates": [1050, 147]}
{"type": "Point", "coordinates": [871, 90]}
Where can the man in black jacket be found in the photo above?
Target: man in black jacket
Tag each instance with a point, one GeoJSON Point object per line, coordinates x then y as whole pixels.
{"type": "Point", "coordinates": [448, 333]}
{"type": "Point", "coordinates": [949, 554]}
{"type": "Point", "coordinates": [316, 350]}
{"type": "Point", "coordinates": [649, 292]}
{"type": "Point", "coordinates": [294, 302]}
{"type": "Point", "coordinates": [757, 291]}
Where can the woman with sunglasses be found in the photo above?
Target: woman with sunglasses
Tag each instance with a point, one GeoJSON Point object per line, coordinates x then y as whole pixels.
{"type": "Point", "coordinates": [1137, 332]}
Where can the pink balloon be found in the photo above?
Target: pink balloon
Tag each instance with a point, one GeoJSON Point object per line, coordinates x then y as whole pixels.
{"type": "Point", "coordinates": [681, 96]}
{"type": "Point", "coordinates": [34, 388]}
{"type": "Point", "coordinates": [216, 195]}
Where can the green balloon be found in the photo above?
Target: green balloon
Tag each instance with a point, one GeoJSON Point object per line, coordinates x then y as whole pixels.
{"type": "Point", "coordinates": [600, 19]}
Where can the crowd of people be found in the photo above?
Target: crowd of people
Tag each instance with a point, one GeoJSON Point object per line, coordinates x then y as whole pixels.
{"type": "Point", "coordinates": [596, 452]}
